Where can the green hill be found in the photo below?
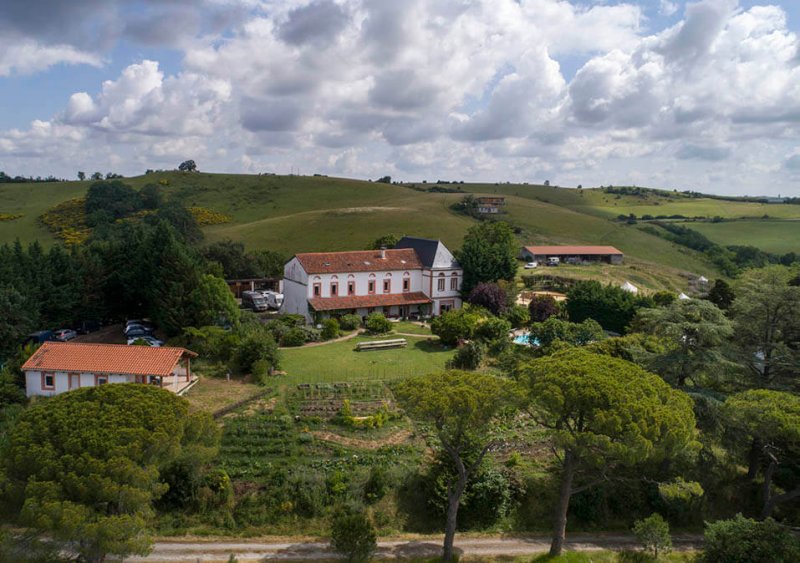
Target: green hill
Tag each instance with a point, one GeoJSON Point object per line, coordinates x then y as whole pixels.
{"type": "Point", "coordinates": [301, 213]}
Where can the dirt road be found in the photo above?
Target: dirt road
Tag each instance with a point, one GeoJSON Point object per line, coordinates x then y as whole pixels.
{"type": "Point", "coordinates": [469, 548]}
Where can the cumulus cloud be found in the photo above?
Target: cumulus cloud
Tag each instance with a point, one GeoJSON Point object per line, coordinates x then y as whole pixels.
{"type": "Point", "coordinates": [432, 88]}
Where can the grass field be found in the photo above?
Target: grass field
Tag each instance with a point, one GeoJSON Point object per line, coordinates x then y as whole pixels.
{"type": "Point", "coordinates": [772, 236]}
{"type": "Point", "coordinates": [340, 362]}
{"type": "Point", "coordinates": [303, 213]}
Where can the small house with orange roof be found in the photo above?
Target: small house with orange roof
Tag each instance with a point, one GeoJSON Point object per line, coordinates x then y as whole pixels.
{"type": "Point", "coordinates": [57, 367]}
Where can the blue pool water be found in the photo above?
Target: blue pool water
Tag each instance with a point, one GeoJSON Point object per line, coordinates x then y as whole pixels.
{"type": "Point", "coordinates": [525, 339]}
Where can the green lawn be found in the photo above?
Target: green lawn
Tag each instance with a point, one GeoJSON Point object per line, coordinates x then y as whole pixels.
{"type": "Point", "coordinates": [340, 362]}
{"type": "Point", "coordinates": [772, 236]}
{"type": "Point", "coordinates": [407, 327]}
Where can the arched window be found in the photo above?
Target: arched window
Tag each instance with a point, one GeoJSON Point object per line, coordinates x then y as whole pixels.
{"type": "Point", "coordinates": [371, 284]}
{"type": "Point", "coordinates": [440, 284]}
{"type": "Point", "coordinates": [406, 281]}
{"type": "Point", "coordinates": [454, 281]}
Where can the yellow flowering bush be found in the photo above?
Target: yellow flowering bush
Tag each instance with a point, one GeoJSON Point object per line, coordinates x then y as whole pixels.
{"type": "Point", "coordinates": [67, 221]}
{"type": "Point", "coordinates": [205, 216]}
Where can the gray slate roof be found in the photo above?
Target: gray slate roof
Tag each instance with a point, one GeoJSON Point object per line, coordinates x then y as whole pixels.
{"type": "Point", "coordinates": [432, 253]}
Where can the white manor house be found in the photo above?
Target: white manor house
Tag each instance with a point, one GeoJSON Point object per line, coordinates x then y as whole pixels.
{"type": "Point", "coordinates": [418, 277]}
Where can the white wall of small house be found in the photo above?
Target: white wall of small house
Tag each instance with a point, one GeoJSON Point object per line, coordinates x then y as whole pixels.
{"type": "Point", "coordinates": [34, 387]}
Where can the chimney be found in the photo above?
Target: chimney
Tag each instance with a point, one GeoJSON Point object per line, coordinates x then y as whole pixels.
{"type": "Point", "coordinates": [383, 253]}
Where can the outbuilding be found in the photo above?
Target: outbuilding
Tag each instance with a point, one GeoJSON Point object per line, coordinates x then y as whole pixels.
{"type": "Point", "coordinates": [57, 367]}
{"type": "Point", "coordinates": [570, 254]}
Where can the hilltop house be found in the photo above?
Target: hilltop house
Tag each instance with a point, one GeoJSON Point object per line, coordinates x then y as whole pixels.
{"type": "Point", "coordinates": [419, 277]}
{"type": "Point", "coordinates": [57, 367]}
{"type": "Point", "coordinates": [570, 254]}
{"type": "Point", "coordinates": [490, 204]}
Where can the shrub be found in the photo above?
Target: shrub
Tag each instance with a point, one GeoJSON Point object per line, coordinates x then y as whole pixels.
{"type": "Point", "coordinates": [456, 324]}
{"type": "Point", "coordinates": [468, 356]}
{"type": "Point", "coordinates": [353, 535]}
{"type": "Point", "coordinates": [377, 485]}
{"type": "Point", "coordinates": [746, 540]}
{"type": "Point", "coordinates": [330, 329]}
{"type": "Point", "coordinates": [295, 336]}
{"type": "Point", "coordinates": [260, 371]}
{"type": "Point", "coordinates": [257, 344]}
{"type": "Point", "coordinates": [653, 533]}
{"type": "Point", "coordinates": [490, 296]}
{"type": "Point", "coordinates": [349, 322]}
{"type": "Point", "coordinates": [377, 323]}
{"type": "Point", "coordinates": [493, 329]}
{"type": "Point", "coordinates": [517, 315]}
{"type": "Point", "coordinates": [542, 307]}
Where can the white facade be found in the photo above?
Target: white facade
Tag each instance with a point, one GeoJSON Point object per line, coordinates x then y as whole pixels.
{"type": "Point", "coordinates": [49, 383]}
{"type": "Point", "coordinates": [441, 286]}
{"type": "Point", "coordinates": [39, 383]}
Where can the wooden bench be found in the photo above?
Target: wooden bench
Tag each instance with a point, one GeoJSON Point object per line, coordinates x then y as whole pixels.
{"type": "Point", "coordinates": [381, 344]}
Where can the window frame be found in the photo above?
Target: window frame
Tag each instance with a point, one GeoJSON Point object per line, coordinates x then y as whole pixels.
{"type": "Point", "coordinates": [45, 375]}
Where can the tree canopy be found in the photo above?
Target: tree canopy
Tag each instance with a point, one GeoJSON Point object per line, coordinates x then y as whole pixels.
{"type": "Point", "coordinates": [83, 467]}
{"type": "Point", "coordinates": [460, 406]}
{"type": "Point", "coordinates": [602, 413]}
{"type": "Point", "coordinates": [609, 305]}
{"type": "Point", "coordinates": [694, 331]}
{"type": "Point", "coordinates": [766, 321]}
{"type": "Point", "coordinates": [771, 420]}
{"type": "Point", "coordinates": [488, 254]}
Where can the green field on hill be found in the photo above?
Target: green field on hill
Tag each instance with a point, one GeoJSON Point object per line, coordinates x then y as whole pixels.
{"type": "Point", "coordinates": [305, 213]}
{"type": "Point", "coordinates": [773, 236]}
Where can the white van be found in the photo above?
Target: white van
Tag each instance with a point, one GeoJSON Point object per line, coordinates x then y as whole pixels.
{"type": "Point", "coordinates": [274, 299]}
{"type": "Point", "coordinates": [254, 300]}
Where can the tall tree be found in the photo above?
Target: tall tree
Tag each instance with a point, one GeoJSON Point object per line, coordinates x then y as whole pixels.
{"type": "Point", "coordinates": [488, 254]}
{"type": "Point", "coordinates": [609, 305]}
{"type": "Point", "coordinates": [83, 467]}
{"type": "Point", "coordinates": [175, 277]}
{"type": "Point", "coordinates": [771, 420]}
{"type": "Point", "coordinates": [765, 316]}
{"type": "Point", "coordinates": [214, 303]}
{"type": "Point", "coordinates": [603, 413]}
{"type": "Point", "coordinates": [695, 332]}
{"type": "Point", "coordinates": [460, 406]}
{"type": "Point", "coordinates": [721, 294]}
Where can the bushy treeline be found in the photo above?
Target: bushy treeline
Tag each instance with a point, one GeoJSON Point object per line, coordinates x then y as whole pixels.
{"type": "Point", "coordinates": [731, 260]}
{"type": "Point", "coordinates": [6, 179]}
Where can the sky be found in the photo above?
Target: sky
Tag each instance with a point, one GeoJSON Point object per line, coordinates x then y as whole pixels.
{"type": "Point", "coordinates": [691, 95]}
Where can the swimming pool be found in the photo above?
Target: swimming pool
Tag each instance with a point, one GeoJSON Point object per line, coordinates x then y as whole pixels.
{"type": "Point", "coordinates": [525, 339]}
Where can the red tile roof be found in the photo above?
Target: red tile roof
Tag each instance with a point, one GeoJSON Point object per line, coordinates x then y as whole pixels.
{"type": "Point", "coordinates": [105, 358]}
{"type": "Point", "coordinates": [366, 301]}
{"type": "Point", "coordinates": [573, 250]}
{"type": "Point", "coordinates": [359, 261]}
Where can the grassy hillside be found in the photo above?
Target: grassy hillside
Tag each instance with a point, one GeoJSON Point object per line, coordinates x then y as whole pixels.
{"type": "Point", "coordinates": [777, 236]}
{"type": "Point", "coordinates": [300, 213]}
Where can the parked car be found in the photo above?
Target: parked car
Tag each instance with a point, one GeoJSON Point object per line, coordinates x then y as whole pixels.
{"type": "Point", "coordinates": [138, 328]}
{"type": "Point", "coordinates": [531, 265]}
{"type": "Point", "coordinates": [65, 334]}
{"type": "Point", "coordinates": [553, 261]}
{"type": "Point", "coordinates": [136, 331]}
{"type": "Point", "coordinates": [40, 337]}
{"type": "Point", "coordinates": [140, 322]}
{"type": "Point", "coordinates": [148, 340]}
{"type": "Point", "coordinates": [254, 300]}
